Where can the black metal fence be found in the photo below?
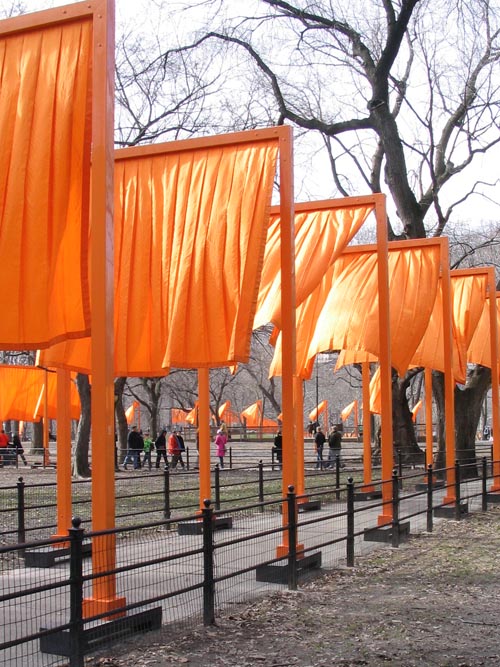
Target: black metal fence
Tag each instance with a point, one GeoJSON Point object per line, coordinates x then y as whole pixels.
{"type": "Point", "coordinates": [173, 570]}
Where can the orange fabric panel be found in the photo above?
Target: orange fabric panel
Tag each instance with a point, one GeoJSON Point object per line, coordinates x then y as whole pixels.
{"type": "Point", "coordinates": [416, 409]}
{"type": "Point", "coordinates": [75, 407]}
{"type": "Point", "coordinates": [198, 221]}
{"type": "Point", "coordinates": [346, 412]}
{"type": "Point", "coordinates": [320, 237]}
{"type": "Point", "coordinates": [192, 415]}
{"type": "Point", "coordinates": [253, 414]}
{"type": "Point", "coordinates": [21, 388]}
{"type": "Point", "coordinates": [479, 351]}
{"type": "Point", "coordinates": [318, 410]}
{"type": "Point", "coordinates": [45, 122]}
{"type": "Point", "coordinates": [178, 416]}
{"type": "Point", "coordinates": [375, 398]}
{"type": "Point", "coordinates": [468, 299]}
{"type": "Point", "coordinates": [190, 230]}
{"type": "Point", "coordinates": [342, 313]}
{"type": "Point", "coordinates": [348, 357]}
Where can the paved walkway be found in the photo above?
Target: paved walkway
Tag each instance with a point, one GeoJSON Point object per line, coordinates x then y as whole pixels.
{"type": "Point", "coordinates": [236, 549]}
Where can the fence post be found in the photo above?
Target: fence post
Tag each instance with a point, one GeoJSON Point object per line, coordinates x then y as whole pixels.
{"type": "Point", "coordinates": [208, 565]}
{"type": "Point", "coordinates": [76, 639]}
{"type": "Point", "coordinates": [217, 486]}
{"type": "Point", "coordinates": [400, 469]}
{"type": "Point", "coordinates": [395, 509]}
{"type": "Point", "coordinates": [457, 491]}
{"type": "Point", "coordinates": [484, 480]}
{"type": "Point", "coordinates": [230, 458]}
{"type": "Point", "coordinates": [21, 527]}
{"type": "Point", "coordinates": [166, 493]}
{"type": "Point", "coordinates": [292, 538]}
{"type": "Point", "coordinates": [272, 458]}
{"type": "Point", "coordinates": [187, 458]}
{"type": "Point", "coordinates": [430, 501]}
{"type": "Point", "coordinates": [337, 477]}
{"type": "Point", "coordinates": [261, 484]}
{"type": "Point", "coordinates": [350, 523]}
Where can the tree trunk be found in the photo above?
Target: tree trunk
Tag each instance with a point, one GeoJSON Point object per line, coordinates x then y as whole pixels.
{"type": "Point", "coordinates": [404, 436]}
{"type": "Point", "coordinates": [81, 466]}
{"type": "Point", "coordinates": [37, 441]}
{"type": "Point", "coordinates": [468, 404]}
{"type": "Point", "coordinates": [121, 420]}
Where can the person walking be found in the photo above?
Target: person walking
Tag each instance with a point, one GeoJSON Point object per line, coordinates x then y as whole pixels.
{"type": "Point", "coordinates": [18, 448]}
{"type": "Point", "coordinates": [334, 446]}
{"type": "Point", "coordinates": [174, 451]}
{"type": "Point", "coordinates": [220, 444]}
{"type": "Point", "coordinates": [161, 449]}
{"type": "Point", "coordinates": [182, 447]}
{"type": "Point", "coordinates": [278, 447]}
{"type": "Point", "coordinates": [148, 446]}
{"type": "Point", "coordinates": [319, 441]}
{"type": "Point", "coordinates": [135, 445]}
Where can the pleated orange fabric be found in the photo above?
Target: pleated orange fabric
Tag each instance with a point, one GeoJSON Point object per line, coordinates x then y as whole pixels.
{"type": "Point", "coordinates": [346, 412]}
{"type": "Point", "coordinates": [375, 395]}
{"type": "Point", "coordinates": [320, 236]}
{"type": "Point", "coordinates": [178, 416]}
{"type": "Point", "coordinates": [45, 124]}
{"type": "Point", "coordinates": [479, 351]}
{"type": "Point", "coordinates": [190, 233]}
{"type": "Point", "coordinates": [348, 357]}
{"type": "Point", "coordinates": [75, 407]}
{"type": "Point", "coordinates": [468, 295]}
{"type": "Point", "coordinates": [22, 394]}
{"type": "Point", "coordinates": [318, 410]}
{"type": "Point", "coordinates": [342, 313]}
{"type": "Point", "coordinates": [253, 414]}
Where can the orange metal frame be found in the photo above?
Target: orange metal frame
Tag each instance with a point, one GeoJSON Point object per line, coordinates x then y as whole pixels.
{"type": "Point", "coordinates": [378, 202]}
{"type": "Point", "coordinates": [489, 271]}
{"type": "Point", "coordinates": [387, 455]}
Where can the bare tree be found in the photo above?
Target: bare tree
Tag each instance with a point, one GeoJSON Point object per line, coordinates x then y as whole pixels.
{"type": "Point", "coordinates": [397, 97]}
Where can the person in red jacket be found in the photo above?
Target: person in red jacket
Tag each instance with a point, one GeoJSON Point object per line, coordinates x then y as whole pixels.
{"type": "Point", "coordinates": [175, 452]}
{"type": "Point", "coordinates": [4, 443]}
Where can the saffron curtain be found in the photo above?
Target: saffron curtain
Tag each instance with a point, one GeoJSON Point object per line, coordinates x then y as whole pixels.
{"type": "Point", "coordinates": [45, 123]}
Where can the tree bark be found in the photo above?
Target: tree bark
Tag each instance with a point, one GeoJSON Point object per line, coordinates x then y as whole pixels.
{"type": "Point", "coordinates": [121, 420]}
{"type": "Point", "coordinates": [81, 466]}
{"type": "Point", "coordinates": [405, 439]}
{"type": "Point", "coordinates": [468, 405]}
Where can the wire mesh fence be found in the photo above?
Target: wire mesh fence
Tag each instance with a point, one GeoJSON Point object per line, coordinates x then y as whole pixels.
{"type": "Point", "coordinates": [189, 567]}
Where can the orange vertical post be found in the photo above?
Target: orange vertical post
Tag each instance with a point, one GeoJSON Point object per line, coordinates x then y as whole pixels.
{"type": "Point", "coordinates": [367, 435]}
{"type": "Point", "coordinates": [449, 380]}
{"type": "Point", "coordinates": [299, 438]}
{"type": "Point", "coordinates": [204, 433]}
{"type": "Point", "coordinates": [429, 439]}
{"type": "Point", "coordinates": [64, 508]}
{"type": "Point", "coordinates": [104, 597]}
{"type": "Point", "coordinates": [288, 362]}
{"type": "Point", "coordinates": [46, 438]}
{"type": "Point", "coordinates": [385, 361]}
{"type": "Point", "coordinates": [494, 380]}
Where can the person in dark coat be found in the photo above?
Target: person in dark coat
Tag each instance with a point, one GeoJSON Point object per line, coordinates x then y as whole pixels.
{"type": "Point", "coordinates": [161, 449]}
{"type": "Point", "coordinates": [334, 446]}
{"type": "Point", "coordinates": [18, 447]}
{"type": "Point", "coordinates": [319, 441]}
{"type": "Point", "coordinates": [278, 446]}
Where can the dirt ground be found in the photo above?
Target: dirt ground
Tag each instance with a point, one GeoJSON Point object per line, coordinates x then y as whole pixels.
{"type": "Point", "coordinates": [435, 601]}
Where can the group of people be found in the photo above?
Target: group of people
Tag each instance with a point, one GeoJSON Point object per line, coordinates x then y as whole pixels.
{"type": "Point", "coordinates": [334, 447]}
{"type": "Point", "coordinates": [139, 444]}
{"type": "Point", "coordinates": [15, 447]}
